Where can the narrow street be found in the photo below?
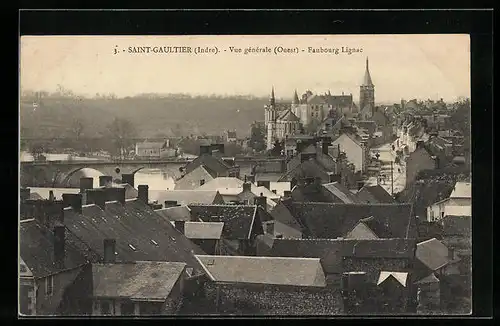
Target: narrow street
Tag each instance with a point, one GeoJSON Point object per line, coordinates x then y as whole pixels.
{"type": "Point", "coordinates": [399, 174]}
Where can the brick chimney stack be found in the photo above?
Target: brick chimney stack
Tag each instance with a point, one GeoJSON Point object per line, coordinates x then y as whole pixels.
{"type": "Point", "coordinates": [143, 193]}
{"type": "Point", "coordinates": [86, 183]}
{"type": "Point", "coordinates": [128, 178]}
{"type": "Point", "coordinates": [109, 250]}
{"type": "Point", "coordinates": [74, 201]}
{"type": "Point", "coordinates": [97, 197]}
{"type": "Point", "coordinates": [105, 180]}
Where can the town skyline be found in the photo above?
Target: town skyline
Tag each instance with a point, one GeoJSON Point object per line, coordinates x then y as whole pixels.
{"type": "Point", "coordinates": [86, 65]}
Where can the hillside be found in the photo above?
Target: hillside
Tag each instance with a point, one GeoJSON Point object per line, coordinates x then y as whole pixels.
{"type": "Point", "coordinates": [168, 116]}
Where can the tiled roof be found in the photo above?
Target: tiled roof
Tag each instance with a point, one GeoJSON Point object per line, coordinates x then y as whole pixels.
{"type": "Point", "coordinates": [268, 176]}
{"type": "Point", "coordinates": [203, 230]}
{"type": "Point", "coordinates": [457, 225]}
{"type": "Point", "coordinates": [433, 254]}
{"type": "Point", "coordinates": [264, 270]}
{"type": "Point", "coordinates": [428, 193]}
{"type": "Point", "coordinates": [341, 192]}
{"type": "Point", "coordinates": [36, 248]}
{"type": "Point", "coordinates": [374, 194]}
{"type": "Point", "coordinates": [282, 213]}
{"type": "Point", "coordinates": [184, 197]}
{"type": "Point", "coordinates": [332, 251]}
{"type": "Point", "coordinates": [176, 213]}
{"type": "Point", "coordinates": [140, 233]}
{"type": "Point", "coordinates": [398, 276]}
{"type": "Point", "coordinates": [331, 220]}
{"type": "Point", "coordinates": [141, 280]}
{"type": "Point", "coordinates": [428, 279]}
{"type": "Point", "coordinates": [461, 190]}
{"type": "Point", "coordinates": [309, 168]}
{"type": "Point", "coordinates": [370, 126]}
{"type": "Point", "coordinates": [212, 164]}
{"type": "Point", "coordinates": [284, 230]}
{"type": "Point", "coordinates": [239, 220]}
{"type": "Point", "coordinates": [222, 183]}
{"type": "Point", "coordinates": [288, 116]}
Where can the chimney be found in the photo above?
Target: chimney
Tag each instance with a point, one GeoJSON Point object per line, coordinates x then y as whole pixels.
{"type": "Point", "coordinates": [105, 180]}
{"type": "Point", "coordinates": [451, 254]}
{"type": "Point", "coordinates": [266, 184]}
{"type": "Point", "coordinates": [86, 183]}
{"type": "Point", "coordinates": [250, 178]}
{"type": "Point", "coordinates": [128, 178]}
{"type": "Point", "coordinates": [143, 193]}
{"type": "Point", "coordinates": [270, 227]}
{"type": "Point", "coordinates": [332, 177]}
{"type": "Point", "coordinates": [261, 201]}
{"type": "Point", "coordinates": [25, 194]}
{"type": "Point", "coordinates": [179, 225]}
{"type": "Point", "coordinates": [170, 203]}
{"type": "Point", "coordinates": [287, 193]}
{"type": "Point", "coordinates": [97, 197]}
{"type": "Point", "coordinates": [51, 195]}
{"type": "Point", "coordinates": [220, 148]}
{"type": "Point", "coordinates": [283, 166]}
{"type": "Point", "coordinates": [74, 201]}
{"type": "Point", "coordinates": [109, 250]}
{"type": "Point", "coordinates": [205, 150]}
{"type": "Point", "coordinates": [59, 244]}
{"type": "Point", "coordinates": [324, 146]}
{"type": "Point", "coordinates": [247, 186]}
{"type": "Point", "coordinates": [116, 193]}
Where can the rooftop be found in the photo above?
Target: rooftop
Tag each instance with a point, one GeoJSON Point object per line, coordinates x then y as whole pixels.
{"type": "Point", "coordinates": [141, 280]}
{"type": "Point", "coordinates": [433, 254]}
{"type": "Point", "coordinates": [398, 276]}
{"type": "Point", "coordinates": [203, 230]}
{"type": "Point", "coordinates": [36, 248]}
{"type": "Point", "coordinates": [305, 272]}
{"type": "Point", "coordinates": [183, 197]}
{"type": "Point", "coordinates": [140, 233]}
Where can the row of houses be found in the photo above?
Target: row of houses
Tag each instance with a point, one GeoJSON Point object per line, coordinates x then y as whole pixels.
{"type": "Point", "coordinates": [105, 253]}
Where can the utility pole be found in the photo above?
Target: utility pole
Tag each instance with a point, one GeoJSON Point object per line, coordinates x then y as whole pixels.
{"type": "Point", "coordinates": [392, 180]}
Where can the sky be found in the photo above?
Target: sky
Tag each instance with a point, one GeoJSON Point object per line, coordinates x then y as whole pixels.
{"type": "Point", "coordinates": [401, 66]}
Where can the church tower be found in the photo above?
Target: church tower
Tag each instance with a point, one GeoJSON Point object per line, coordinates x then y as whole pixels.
{"type": "Point", "coordinates": [270, 120]}
{"type": "Point", "coordinates": [367, 93]}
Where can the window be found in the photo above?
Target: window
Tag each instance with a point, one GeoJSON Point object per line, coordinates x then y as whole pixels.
{"type": "Point", "coordinates": [202, 182]}
{"type": "Point", "coordinates": [49, 285]}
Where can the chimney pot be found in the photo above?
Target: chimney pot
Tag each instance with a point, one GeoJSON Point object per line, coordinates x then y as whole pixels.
{"type": "Point", "coordinates": [74, 201]}
{"type": "Point", "coordinates": [109, 250]}
{"type": "Point", "coordinates": [128, 178]}
{"type": "Point", "coordinates": [179, 225]}
{"type": "Point", "coordinates": [86, 183]}
{"type": "Point", "coordinates": [143, 193]}
{"type": "Point", "coordinates": [247, 186]}
{"type": "Point", "coordinates": [170, 203]}
{"type": "Point", "coordinates": [97, 197]}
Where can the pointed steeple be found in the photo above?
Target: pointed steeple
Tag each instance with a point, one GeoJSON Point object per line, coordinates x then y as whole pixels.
{"type": "Point", "coordinates": [367, 81]}
{"type": "Point", "coordinates": [272, 100]}
{"type": "Point", "coordinates": [295, 98]}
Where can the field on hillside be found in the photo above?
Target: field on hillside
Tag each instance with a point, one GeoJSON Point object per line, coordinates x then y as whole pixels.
{"type": "Point", "coordinates": [151, 116]}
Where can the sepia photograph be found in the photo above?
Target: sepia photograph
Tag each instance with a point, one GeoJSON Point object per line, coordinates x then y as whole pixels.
{"type": "Point", "coordinates": [245, 175]}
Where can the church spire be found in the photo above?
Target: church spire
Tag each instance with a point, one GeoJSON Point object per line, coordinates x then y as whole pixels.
{"type": "Point", "coordinates": [367, 81]}
{"type": "Point", "coordinates": [272, 100]}
{"type": "Point", "coordinates": [295, 98]}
